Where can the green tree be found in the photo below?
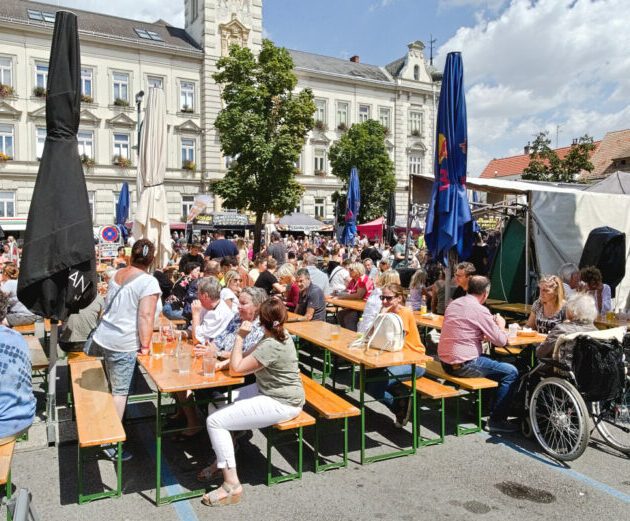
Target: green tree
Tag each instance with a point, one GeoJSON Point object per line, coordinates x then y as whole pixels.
{"type": "Point", "coordinates": [546, 165]}
{"type": "Point", "coordinates": [264, 125]}
{"type": "Point", "coordinates": [363, 146]}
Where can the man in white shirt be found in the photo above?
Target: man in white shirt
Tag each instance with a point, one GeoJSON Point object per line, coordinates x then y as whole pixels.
{"type": "Point", "coordinates": [210, 315]}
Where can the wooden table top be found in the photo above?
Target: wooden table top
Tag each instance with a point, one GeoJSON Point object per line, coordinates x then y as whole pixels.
{"type": "Point", "coordinates": [39, 360]}
{"type": "Point", "coordinates": [319, 333]}
{"type": "Point", "coordinates": [521, 340]}
{"type": "Point", "coordinates": [604, 323]}
{"type": "Point", "coordinates": [163, 371]}
{"type": "Point", "coordinates": [494, 302]}
{"type": "Point", "coordinates": [523, 309]}
{"type": "Point", "coordinates": [423, 321]}
{"type": "Point", "coordinates": [30, 328]}
{"type": "Point", "coordinates": [357, 305]}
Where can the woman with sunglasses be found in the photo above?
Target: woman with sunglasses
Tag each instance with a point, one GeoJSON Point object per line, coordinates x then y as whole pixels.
{"type": "Point", "coordinates": [393, 301]}
{"type": "Point", "coordinates": [548, 310]}
{"type": "Point", "coordinates": [232, 289]}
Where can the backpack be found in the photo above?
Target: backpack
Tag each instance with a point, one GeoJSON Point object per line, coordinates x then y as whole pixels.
{"type": "Point", "coordinates": [387, 333]}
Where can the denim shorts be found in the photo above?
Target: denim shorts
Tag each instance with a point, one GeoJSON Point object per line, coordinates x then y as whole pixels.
{"type": "Point", "coordinates": [119, 366]}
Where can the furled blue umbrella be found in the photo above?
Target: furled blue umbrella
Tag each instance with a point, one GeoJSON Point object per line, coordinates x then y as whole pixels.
{"type": "Point", "coordinates": [475, 199]}
{"type": "Point", "coordinates": [449, 222]}
{"type": "Point", "coordinates": [122, 210]}
{"type": "Point", "coordinates": [353, 202]}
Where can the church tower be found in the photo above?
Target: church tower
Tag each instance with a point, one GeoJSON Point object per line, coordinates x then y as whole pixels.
{"type": "Point", "coordinates": [215, 25]}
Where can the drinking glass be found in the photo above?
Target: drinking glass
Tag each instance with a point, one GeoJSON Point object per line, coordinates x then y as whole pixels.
{"type": "Point", "coordinates": [209, 364]}
{"type": "Point", "coordinates": [184, 360]}
{"type": "Point", "coordinates": [334, 333]}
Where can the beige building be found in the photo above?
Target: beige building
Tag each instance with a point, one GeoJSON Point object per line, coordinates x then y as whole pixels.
{"type": "Point", "coordinates": [121, 57]}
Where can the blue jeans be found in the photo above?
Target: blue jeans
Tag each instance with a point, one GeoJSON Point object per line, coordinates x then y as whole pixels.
{"type": "Point", "coordinates": [505, 374]}
{"type": "Point", "coordinates": [170, 313]}
{"type": "Point", "coordinates": [385, 390]}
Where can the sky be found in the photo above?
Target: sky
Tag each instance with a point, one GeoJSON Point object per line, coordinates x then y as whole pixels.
{"type": "Point", "coordinates": [560, 66]}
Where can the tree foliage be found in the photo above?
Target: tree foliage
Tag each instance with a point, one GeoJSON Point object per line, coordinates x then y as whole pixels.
{"type": "Point", "coordinates": [264, 125]}
{"type": "Point", "coordinates": [546, 165]}
{"type": "Point", "coordinates": [363, 146]}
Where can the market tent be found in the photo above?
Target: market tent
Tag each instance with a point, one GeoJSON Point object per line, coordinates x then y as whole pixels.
{"type": "Point", "coordinates": [617, 183]}
{"type": "Point", "coordinates": [373, 229]}
{"type": "Point", "coordinates": [562, 218]}
{"type": "Point", "coordinates": [300, 222]}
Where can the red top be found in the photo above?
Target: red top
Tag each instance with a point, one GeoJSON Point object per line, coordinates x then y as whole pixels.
{"type": "Point", "coordinates": [362, 282]}
{"type": "Point", "coordinates": [292, 297]}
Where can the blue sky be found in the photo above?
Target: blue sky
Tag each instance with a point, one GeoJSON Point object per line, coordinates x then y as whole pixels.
{"type": "Point", "coordinates": [530, 65]}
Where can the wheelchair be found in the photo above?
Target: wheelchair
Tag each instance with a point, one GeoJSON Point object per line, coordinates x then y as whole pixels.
{"type": "Point", "coordinates": [563, 402]}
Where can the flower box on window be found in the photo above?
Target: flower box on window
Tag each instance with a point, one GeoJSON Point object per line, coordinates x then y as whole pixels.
{"type": "Point", "coordinates": [188, 165]}
{"type": "Point", "coordinates": [342, 127]}
{"type": "Point", "coordinates": [4, 158]}
{"type": "Point", "coordinates": [119, 102]}
{"type": "Point", "coordinates": [298, 171]}
{"type": "Point", "coordinates": [39, 92]}
{"type": "Point", "coordinates": [320, 126]}
{"type": "Point", "coordinates": [87, 161]}
{"type": "Point", "coordinates": [320, 172]}
{"type": "Point", "coordinates": [6, 91]}
{"type": "Point", "coordinates": [187, 109]}
{"type": "Point", "coordinates": [86, 98]}
{"type": "Point", "coordinates": [416, 133]}
{"type": "Point", "coordinates": [121, 162]}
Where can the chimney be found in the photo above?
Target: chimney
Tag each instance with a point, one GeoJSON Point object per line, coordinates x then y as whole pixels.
{"type": "Point", "coordinates": [526, 148]}
{"type": "Point", "coordinates": [354, 59]}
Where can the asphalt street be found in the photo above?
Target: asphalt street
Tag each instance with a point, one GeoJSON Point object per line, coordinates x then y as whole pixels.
{"type": "Point", "coordinates": [476, 476]}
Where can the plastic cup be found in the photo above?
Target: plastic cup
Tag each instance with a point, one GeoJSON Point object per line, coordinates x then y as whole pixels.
{"type": "Point", "coordinates": [512, 330]}
{"type": "Point", "coordinates": [423, 309]}
{"type": "Point", "coordinates": [334, 334]}
{"type": "Point", "coordinates": [209, 364]}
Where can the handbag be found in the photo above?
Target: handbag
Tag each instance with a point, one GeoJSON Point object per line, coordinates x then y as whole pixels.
{"type": "Point", "coordinates": [88, 348]}
{"type": "Point", "coordinates": [387, 333]}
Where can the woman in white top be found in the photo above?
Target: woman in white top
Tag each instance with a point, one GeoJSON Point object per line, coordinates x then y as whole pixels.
{"type": "Point", "coordinates": [232, 289]}
{"type": "Point", "coordinates": [339, 277]}
{"type": "Point", "coordinates": [132, 301]}
{"type": "Point", "coordinates": [373, 304]}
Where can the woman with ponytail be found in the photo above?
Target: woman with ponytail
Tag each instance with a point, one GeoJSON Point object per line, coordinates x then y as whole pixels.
{"type": "Point", "coordinates": [276, 396]}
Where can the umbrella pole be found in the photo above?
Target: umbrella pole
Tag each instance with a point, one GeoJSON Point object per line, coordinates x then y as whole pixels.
{"type": "Point", "coordinates": [51, 405]}
{"type": "Point", "coordinates": [527, 254]}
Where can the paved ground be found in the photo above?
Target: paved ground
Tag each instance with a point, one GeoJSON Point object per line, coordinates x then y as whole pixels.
{"type": "Point", "coordinates": [474, 476]}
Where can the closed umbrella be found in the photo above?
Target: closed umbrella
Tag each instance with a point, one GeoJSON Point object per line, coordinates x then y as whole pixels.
{"type": "Point", "coordinates": [58, 269]}
{"type": "Point", "coordinates": [391, 219]}
{"type": "Point", "coordinates": [151, 217]}
{"type": "Point", "coordinates": [353, 202]}
{"type": "Point", "coordinates": [122, 210]}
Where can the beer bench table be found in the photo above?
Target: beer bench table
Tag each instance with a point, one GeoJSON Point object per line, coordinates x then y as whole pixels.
{"type": "Point", "coordinates": [39, 360]}
{"type": "Point", "coordinates": [319, 333]}
{"type": "Point", "coordinates": [356, 304]}
{"type": "Point", "coordinates": [6, 456]}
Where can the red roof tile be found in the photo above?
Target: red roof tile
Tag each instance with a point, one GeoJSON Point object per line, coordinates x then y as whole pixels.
{"type": "Point", "coordinates": [615, 145]}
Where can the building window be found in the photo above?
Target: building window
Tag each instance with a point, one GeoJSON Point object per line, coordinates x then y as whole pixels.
{"type": "Point", "coordinates": [298, 208]}
{"type": "Point", "coordinates": [415, 164]}
{"type": "Point", "coordinates": [320, 110]}
{"type": "Point", "coordinates": [188, 154]}
{"type": "Point", "coordinates": [91, 199]}
{"type": "Point", "coordinates": [6, 71]}
{"type": "Point", "coordinates": [364, 113]}
{"type": "Point", "coordinates": [41, 139]}
{"type": "Point", "coordinates": [384, 117]}
{"type": "Point", "coordinates": [6, 140]}
{"type": "Point", "coordinates": [86, 143]}
{"type": "Point", "coordinates": [155, 82]}
{"type": "Point", "coordinates": [298, 164]}
{"type": "Point", "coordinates": [342, 114]}
{"type": "Point", "coordinates": [187, 96]}
{"type": "Point", "coordinates": [415, 123]}
{"type": "Point", "coordinates": [41, 72]}
{"type": "Point", "coordinates": [320, 207]}
{"type": "Point", "coordinates": [319, 163]}
{"type": "Point", "coordinates": [229, 160]}
{"type": "Point", "coordinates": [86, 82]}
{"type": "Point", "coordinates": [121, 86]}
{"type": "Point", "coordinates": [187, 203]}
{"type": "Point", "coordinates": [7, 204]}
{"type": "Point", "coordinates": [416, 72]}
{"type": "Point", "coordinates": [121, 146]}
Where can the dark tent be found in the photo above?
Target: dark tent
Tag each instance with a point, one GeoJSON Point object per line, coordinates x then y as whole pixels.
{"type": "Point", "coordinates": [605, 249]}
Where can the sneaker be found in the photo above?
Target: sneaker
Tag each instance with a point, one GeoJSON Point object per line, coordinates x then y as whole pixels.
{"type": "Point", "coordinates": [403, 412]}
{"type": "Point", "coordinates": [497, 426]}
{"type": "Point", "coordinates": [112, 454]}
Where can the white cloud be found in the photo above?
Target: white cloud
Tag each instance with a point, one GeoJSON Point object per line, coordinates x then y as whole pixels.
{"type": "Point", "coordinates": [492, 5]}
{"type": "Point", "coordinates": [539, 64]}
{"type": "Point", "coordinates": [380, 4]}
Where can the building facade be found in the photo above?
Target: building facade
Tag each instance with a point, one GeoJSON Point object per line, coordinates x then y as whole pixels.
{"type": "Point", "coordinates": [121, 57]}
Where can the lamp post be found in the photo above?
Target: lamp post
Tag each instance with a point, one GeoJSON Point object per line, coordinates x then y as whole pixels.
{"type": "Point", "coordinates": [139, 97]}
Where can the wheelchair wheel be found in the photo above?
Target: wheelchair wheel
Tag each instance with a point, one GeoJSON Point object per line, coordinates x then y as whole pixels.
{"type": "Point", "coordinates": [612, 419]}
{"type": "Point", "coordinates": [559, 419]}
{"type": "Point", "coordinates": [526, 428]}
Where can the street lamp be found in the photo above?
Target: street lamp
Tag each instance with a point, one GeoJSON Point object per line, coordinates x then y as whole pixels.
{"type": "Point", "coordinates": [139, 97]}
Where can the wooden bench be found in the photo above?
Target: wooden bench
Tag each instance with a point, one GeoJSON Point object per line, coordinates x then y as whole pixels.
{"type": "Point", "coordinates": [430, 390]}
{"type": "Point", "coordinates": [296, 424]}
{"type": "Point", "coordinates": [71, 357]}
{"type": "Point", "coordinates": [98, 424]}
{"type": "Point", "coordinates": [434, 368]}
{"type": "Point", "coordinates": [6, 456]}
{"type": "Point", "coordinates": [329, 406]}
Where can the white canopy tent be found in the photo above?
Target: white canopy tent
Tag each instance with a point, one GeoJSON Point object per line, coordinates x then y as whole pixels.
{"type": "Point", "coordinates": [561, 219]}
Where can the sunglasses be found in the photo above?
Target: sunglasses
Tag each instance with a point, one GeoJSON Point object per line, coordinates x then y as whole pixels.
{"type": "Point", "coordinates": [387, 297]}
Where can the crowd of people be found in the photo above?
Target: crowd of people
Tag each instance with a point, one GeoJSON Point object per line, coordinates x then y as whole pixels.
{"type": "Point", "coordinates": [235, 303]}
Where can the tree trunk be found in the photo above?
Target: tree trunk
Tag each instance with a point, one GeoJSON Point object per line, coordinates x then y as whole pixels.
{"type": "Point", "coordinates": [257, 233]}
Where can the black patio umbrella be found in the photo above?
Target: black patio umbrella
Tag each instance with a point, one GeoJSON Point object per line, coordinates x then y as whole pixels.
{"type": "Point", "coordinates": [58, 267]}
{"type": "Point", "coordinates": [390, 221]}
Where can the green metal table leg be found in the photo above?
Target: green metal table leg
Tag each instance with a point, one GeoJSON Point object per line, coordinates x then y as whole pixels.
{"type": "Point", "coordinates": [414, 411]}
{"type": "Point", "coordinates": [362, 408]}
{"type": "Point", "coordinates": [8, 488]}
{"type": "Point", "coordinates": [477, 428]}
{"type": "Point", "coordinates": [158, 449]}
{"type": "Point", "coordinates": [334, 465]}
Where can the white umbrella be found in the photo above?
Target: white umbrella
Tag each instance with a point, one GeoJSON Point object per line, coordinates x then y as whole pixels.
{"type": "Point", "coordinates": [151, 217]}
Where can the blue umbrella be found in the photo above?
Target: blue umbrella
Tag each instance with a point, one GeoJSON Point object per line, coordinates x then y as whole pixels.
{"type": "Point", "coordinates": [449, 221]}
{"type": "Point", "coordinates": [353, 202]}
{"type": "Point", "coordinates": [476, 227]}
{"type": "Point", "coordinates": [122, 210]}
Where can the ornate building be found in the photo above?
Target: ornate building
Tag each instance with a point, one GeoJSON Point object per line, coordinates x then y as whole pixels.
{"type": "Point", "coordinates": [121, 57]}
